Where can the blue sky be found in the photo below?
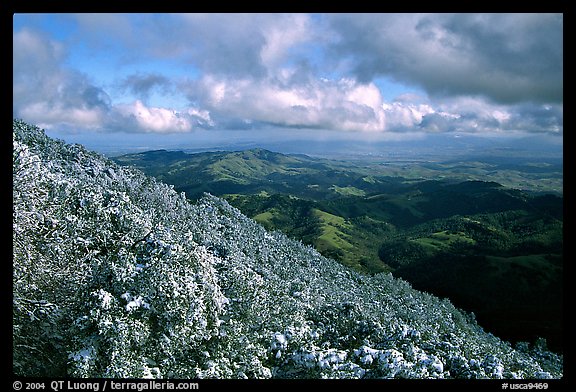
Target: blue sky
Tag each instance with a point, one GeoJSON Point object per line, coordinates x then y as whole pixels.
{"type": "Point", "coordinates": [386, 76]}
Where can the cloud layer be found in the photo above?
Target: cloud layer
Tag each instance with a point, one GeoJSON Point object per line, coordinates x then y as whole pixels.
{"type": "Point", "coordinates": [508, 58]}
{"type": "Point", "coordinates": [465, 72]}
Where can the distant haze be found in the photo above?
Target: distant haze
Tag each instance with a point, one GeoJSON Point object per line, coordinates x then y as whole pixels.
{"type": "Point", "coordinates": [419, 147]}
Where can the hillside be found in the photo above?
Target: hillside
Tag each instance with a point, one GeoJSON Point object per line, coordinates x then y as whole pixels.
{"type": "Point", "coordinates": [117, 275]}
{"type": "Point", "coordinates": [292, 193]}
{"type": "Point", "coordinates": [241, 172]}
{"type": "Point", "coordinates": [493, 250]}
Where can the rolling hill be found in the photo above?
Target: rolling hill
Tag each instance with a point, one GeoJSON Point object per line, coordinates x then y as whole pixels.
{"type": "Point", "coordinates": [242, 172]}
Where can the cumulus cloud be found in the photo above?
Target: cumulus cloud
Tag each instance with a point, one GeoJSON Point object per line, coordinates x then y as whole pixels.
{"type": "Point", "coordinates": [477, 115]}
{"type": "Point", "coordinates": [152, 119]}
{"type": "Point", "coordinates": [536, 118]}
{"type": "Point", "coordinates": [348, 105]}
{"type": "Point", "coordinates": [507, 58]}
{"type": "Point", "coordinates": [244, 45]}
{"type": "Point", "coordinates": [509, 61]}
{"type": "Point", "coordinates": [46, 93]}
{"type": "Point", "coordinates": [318, 103]}
{"type": "Point", "coordinates": [138, 117]}
{"type": "Point", "coordinates": [405, 115]}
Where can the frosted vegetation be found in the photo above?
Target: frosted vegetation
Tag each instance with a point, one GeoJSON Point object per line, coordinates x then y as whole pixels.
{"type": "Point", "coordinates": [117, 275]}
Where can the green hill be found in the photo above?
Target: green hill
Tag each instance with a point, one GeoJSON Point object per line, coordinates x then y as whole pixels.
{"type": "Point", "coordinates": [253, 171]}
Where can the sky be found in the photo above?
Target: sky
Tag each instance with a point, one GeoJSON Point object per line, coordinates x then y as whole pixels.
{"type": "Point", "coordinates": [142, 78]}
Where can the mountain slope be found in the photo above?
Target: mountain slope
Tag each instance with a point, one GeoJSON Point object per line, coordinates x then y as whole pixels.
{"type": "Point", "coordinates": [491, 249]}
{"type": "Point", "coordinates": [117, 275]}
{"type": "Point", "coordinates": [249, 171]}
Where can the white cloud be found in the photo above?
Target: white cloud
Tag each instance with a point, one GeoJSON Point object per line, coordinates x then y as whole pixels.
{"type": "Point", "coordinates": [347, 105]}
{"type": "Point", "coordinates": [201, 117]}
{"type": "Point", "coordinates": [152, 119]}
{"type": "Point", "coordinates": [405, 115]}
{"type": "Point", "coordinates": [318, 103]}
{"type": "Point", "coordinates": [47, 116]}
{"type": "Point", "coordinates": [46, 93]}
{"type": "Point", "coordinates": [32, 53]}
{"type": "Point", "coordinates": [478, 115]}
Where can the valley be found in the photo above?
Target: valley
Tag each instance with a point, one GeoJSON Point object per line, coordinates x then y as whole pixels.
{"type": "Point", "coordinates": [486, 234]}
